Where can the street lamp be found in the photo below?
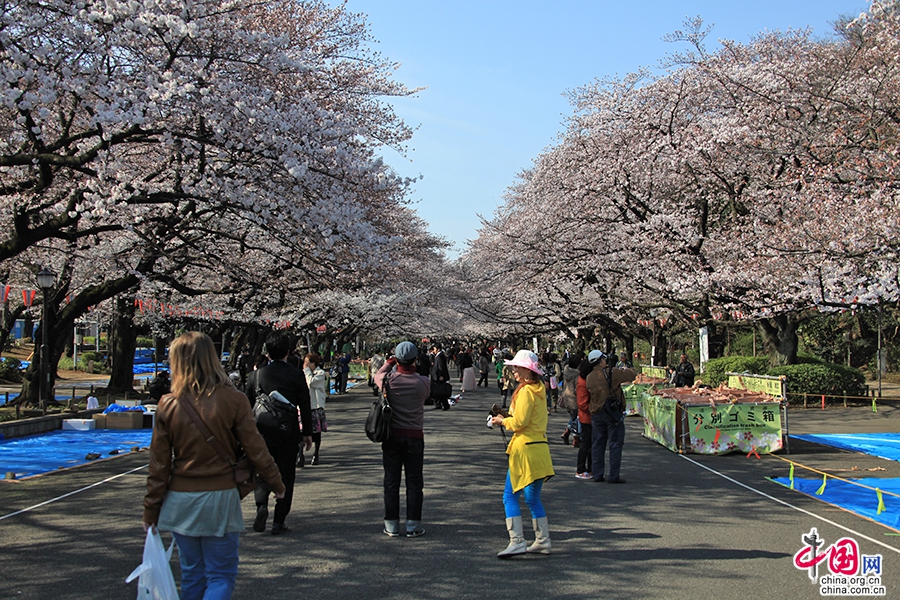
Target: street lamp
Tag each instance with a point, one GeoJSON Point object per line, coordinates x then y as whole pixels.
{"type": "Point", "coordinates": [45, 279]}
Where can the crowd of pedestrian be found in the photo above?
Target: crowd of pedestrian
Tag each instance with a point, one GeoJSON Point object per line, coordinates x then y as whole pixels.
{"type": "Point", "coordinates": [191, 489]}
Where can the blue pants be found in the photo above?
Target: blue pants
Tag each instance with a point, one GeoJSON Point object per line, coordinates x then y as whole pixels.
{"type": "Point", "coordinates": [607, 427]}
{"type": "Point", "coordinates": [208, 565]}
{"type": "Point", "coordinates": [532, 499]}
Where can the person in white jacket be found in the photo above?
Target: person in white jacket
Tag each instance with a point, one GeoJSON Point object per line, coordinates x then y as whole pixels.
{"type": "Point", "coordinates": [317, 380]}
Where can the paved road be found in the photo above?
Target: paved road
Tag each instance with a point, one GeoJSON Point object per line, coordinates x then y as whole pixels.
{"type": "Point", "coordinates": [683, 527]}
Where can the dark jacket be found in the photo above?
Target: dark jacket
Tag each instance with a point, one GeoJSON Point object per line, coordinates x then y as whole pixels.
{"type": "Point", "coordinates": [290, 382]}
{"type": "Point", "coordinates": [196, 466]}
{"type": "Point", "coordinates": [684, 375]}
{"type": "Point", "coordinates": [439, 370]}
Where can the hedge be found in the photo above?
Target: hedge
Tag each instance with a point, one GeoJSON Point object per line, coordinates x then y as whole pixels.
{"type": "Point", "coordinates": [10, 370]}
{"type": "Point", "coordinates": [814, 379]}
{"type": "Point", "coordinates": [811, 376]}
{"type": "Point", "coordinates": [714, 374]}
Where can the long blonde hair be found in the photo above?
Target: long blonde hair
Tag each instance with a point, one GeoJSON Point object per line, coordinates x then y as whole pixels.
{"type": "Point", "coordinates": [196, 370]}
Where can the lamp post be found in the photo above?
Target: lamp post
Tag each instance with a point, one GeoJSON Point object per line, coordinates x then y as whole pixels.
{"type": "Point", "coordinates": [45, 279]}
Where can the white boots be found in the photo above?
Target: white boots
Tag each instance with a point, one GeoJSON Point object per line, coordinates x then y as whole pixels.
{"type": "Point", "coordinates": [517, 544]}
{"type": "Point", "coordinates": [516, 538]}
{"type": "Point", "coordinates": [541, 543]}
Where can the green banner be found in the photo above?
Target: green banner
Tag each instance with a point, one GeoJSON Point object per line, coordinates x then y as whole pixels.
{"type": "Point", "coordinates": [649, 371]}
{"type": "Point", "coordinates": [735, 428]}
{"type": "Point", "coordinates": [634, 397]}
{"type": "Point", "coordinates": [773, 386]}
{"type": "Point", "coordinates": [659, 420]}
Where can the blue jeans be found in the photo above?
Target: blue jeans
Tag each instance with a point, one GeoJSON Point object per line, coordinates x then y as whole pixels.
{"type": "Point", "coordinates": [403, 454]}
{"type": "Point", "coordinates": [208, 565]}
{"type": "Point", "coordinates": [532, 493]}
{"type": "Point", "coordinates": [574, 426]}
{"type": "Point", "coordinates": [607, 427]}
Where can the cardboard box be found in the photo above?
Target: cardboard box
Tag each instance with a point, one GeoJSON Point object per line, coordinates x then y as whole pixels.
{"type": "Point", "coordinates": [130, 419]}
{"type": "Point", "coordinates": [78, 424]}
{"type": "Point", "coordinates": [100, 420]}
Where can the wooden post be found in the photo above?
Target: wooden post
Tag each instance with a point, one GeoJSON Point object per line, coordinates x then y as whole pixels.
{"type": "Point", "coordinates": [823, 401]}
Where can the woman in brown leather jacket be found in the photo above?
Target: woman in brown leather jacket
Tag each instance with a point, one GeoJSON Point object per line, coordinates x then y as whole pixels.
{"type": "Point", "coordinates": [194, 496]}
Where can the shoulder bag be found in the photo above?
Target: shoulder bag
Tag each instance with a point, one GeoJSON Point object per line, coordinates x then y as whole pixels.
{"type": "Point", "coordinates": [378, 423]}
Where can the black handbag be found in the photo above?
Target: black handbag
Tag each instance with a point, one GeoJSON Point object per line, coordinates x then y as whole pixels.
{"type": "Point", "coordinates": [441, 390]}
{"type": "Point", "coordinates": [378, 423]}
{"type": "Point", "coordinates": [275, 419]}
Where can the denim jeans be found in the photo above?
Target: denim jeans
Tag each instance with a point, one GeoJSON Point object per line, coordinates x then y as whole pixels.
{"type": "Point", "coordinates": [574, 425]}
{"type": "Point", "coordinates": [607, 427]}
{"type": "Point", "coordinates": [532, 493]}
{"type": "Point", "coordinates": [208, 565]}
{"type": "Point", "coordinates": [403, 454]}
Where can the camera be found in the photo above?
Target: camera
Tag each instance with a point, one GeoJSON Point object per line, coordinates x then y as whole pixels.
{"type": "Point", "coordinates": [496, 410]}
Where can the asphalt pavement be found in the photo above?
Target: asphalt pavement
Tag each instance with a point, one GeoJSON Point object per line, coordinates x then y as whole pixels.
{"type": "Point", "coordinates": [682, 527]}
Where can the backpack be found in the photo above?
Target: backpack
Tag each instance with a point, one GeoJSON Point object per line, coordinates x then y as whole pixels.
{"type": "Point", "coordinates": [378, 423]}
{"type": "Point", "coordinates": [276, 417]}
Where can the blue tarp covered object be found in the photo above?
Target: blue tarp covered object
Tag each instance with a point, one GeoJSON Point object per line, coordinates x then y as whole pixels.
{"type": "Point", "coordinates": [46, 452]}
{"type": "Point", "coordinates": [120, 408]}
{"type": "Point", "coordinates": [882, 445]}
{"type": "Point", "coordinates": [859, 500]}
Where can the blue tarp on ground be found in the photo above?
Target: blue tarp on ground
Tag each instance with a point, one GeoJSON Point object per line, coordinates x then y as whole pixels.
{"type": "Point", "coordinates": [854, 498]}
{"type": "Point", "coordinates": [46, 452]}
{"type": "Point", "coordinates": [882, 445]}
{"type": "Point", "coordinates": [861, 501]}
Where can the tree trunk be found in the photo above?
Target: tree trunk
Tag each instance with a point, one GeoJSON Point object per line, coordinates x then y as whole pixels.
{"type": "Point", "coordinates": [780, 338]}
{"type": "Point", "coordinates": [716, 340]}
{"type": "Point", "coordinates": [660, 342]}
{"type": "Point", "coordinates": [122, 377]}
{"type": "Point", "coordinates": [9, 321]}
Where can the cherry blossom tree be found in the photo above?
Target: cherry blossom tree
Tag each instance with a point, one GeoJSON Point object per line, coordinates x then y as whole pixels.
{"type": "Point", "coordinates": [222, 150]}
{"type": "Point", "coordinates": [687, 195]}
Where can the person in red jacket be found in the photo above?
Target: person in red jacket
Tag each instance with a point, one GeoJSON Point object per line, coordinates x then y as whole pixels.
{"type": "Point", "coordinates": [583, 468]}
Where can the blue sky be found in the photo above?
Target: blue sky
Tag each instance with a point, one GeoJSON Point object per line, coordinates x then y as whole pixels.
{"type": "Point", "coordinates": [495, 73]}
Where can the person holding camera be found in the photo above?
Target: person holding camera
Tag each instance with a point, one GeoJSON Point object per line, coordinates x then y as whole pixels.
{"type": "Point", "coordinates": [529, 456]}
{"type": "Point", "coordinates": [604, 384]}
{"type": "Point", "coordinates": [405, 450]}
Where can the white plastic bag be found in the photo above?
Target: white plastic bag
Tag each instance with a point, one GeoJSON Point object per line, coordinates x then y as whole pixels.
{"type": "Point", "coordinates": [155, 580]}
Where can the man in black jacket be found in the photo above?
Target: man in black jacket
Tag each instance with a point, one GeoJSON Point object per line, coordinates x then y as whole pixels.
{"type": "Point", "coordinates": [440, 373]}
{"type": "Point", "coordinates": [290, 382]}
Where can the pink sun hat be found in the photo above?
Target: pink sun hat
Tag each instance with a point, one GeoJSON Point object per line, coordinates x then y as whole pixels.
{"type": "Point", "coordinates": [526, 359]}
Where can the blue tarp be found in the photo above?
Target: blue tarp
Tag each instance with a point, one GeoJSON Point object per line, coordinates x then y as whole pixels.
{"type": "Point", "coordinates": [859, 500]}
{"type": "Point", "coordinates": [854, 498]}
{"type": "Point", "coordinates": [59, 449]}
{"type": "Point", "coordinates": [882, 445]}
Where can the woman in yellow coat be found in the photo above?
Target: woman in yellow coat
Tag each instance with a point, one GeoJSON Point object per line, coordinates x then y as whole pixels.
{"type": "Point", "coordinates": [529, 456]}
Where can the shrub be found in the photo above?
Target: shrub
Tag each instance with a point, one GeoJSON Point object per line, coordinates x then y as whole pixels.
{"type": "Point", "coordinates": [714, 374]}
{"type": "Point", "coordinates": [144, 342]}
{"type": "Point", "coordinates": [9, 370]}
{"type": "Point", "coordinates": [821, 378]}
